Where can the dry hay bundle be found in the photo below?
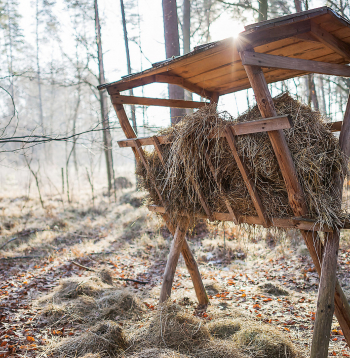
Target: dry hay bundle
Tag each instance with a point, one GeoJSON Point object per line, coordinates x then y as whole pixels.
{"type": "Point", "coordinates": [314, 149]}
{"type": "Point", "coordinates": [171, 328]}
{"type": "Point", "coordinates": [89, 300]}
{"type": "Point", "coordinates": [105, 338]}
{"type": "Point", "coordinates": [158, 353]}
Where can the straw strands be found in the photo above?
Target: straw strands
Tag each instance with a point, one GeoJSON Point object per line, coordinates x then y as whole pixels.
{"type": "Point", "coordinates": [314, 149]}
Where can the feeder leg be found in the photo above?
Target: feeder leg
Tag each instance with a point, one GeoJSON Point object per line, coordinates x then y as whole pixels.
{"type": "Point", "coordinates": [191, 265]}
{"type": "Point", "coordinates": [342, 307]}
{"type": "Point", "coordinates": [173, 258]}
{"type": "Point", "coordinates": [325, 301]}
{"type": "Point", "coordinates": [192, 268]}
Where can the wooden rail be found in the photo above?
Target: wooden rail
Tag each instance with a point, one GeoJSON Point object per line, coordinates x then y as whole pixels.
{"type": "Point", "coordinates": [288, 63]}
{"type": "Point", "coordinates": [146, 101]}
{"type": "Point", "coordinates": [285, 223]}
{"type": "Point", "coordinates": [260, 125]}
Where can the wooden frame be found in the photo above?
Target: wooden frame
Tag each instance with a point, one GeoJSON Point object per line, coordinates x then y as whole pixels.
{"type": "Point", "coordinates": [267, 45]}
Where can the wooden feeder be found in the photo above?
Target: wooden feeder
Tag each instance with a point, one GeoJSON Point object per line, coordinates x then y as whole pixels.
{"type": "Point", "coordinates": [314, 41]}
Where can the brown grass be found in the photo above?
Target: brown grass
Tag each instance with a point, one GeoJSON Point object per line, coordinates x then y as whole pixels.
{"type": "Point", "coordinates": [105, 338]}
{"type": "Point", "coordinates": [314, 149]}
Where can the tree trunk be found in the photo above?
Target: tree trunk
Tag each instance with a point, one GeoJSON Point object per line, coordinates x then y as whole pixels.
{"type": "Point", "coordinates": [38, 67]}
{"type": "Point", "coordinates": [186, 34]}
{"type": "Point", "coordinates": [298, 7]}
{"type": "Point", "coordinates": [263, 6]}
{"type": "Point", "coordinates": [322, 96]}
{"type": "Point", "coordinates": [172, 48]}
{"type": "Point", "coordinates": [126, 41]}
{"type": "Point", "coordinates": [312, 92]}
{"type": "Point", "coordinates": [107, 138]}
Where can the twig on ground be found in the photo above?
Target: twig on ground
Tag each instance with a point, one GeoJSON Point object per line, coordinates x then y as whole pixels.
{"type": "Point", "coordinates": [114, 278]}
{"type": "Point", "coordinates": [7, 242]}
{"type": "Point", "coordinates": [21, 257]}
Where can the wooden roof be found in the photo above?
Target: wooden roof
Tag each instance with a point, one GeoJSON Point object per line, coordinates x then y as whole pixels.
{"type": "Point", "coordinates": [318, 35]}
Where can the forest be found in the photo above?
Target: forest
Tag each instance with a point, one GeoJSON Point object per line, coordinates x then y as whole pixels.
{"type": "Point", "coordinates": [83, 261]}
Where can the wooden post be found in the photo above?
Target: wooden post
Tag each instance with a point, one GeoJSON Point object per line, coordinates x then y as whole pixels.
{"type": "Point", "coordinates": [325, 302]}
{"type": "Point", "coordinates": [191, 265]}
{"type": "Point", "coordinates": [297, 202]}
{"type": "Point", "coordinates": [185, 250]}
{"type": "Point", "coordinates": [173, 258]}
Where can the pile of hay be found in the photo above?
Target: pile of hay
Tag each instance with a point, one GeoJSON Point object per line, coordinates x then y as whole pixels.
{"type": "Point", "coordinates": [106, 339]}
{"type": "Point", "coordinates": [88, 300]}
{"type": "Point", "coordinates": [175, 329]}
{"type": "Point", "coordinates": [170, 331]}
{"type": "Point", "coordinates": [314, 149]}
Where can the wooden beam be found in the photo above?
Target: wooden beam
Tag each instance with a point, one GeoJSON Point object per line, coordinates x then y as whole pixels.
{"type": "Point", "coordinates": [182, 82]}
{"type": "Point", "coordinates": [337, 45]}
{"type": "Point", "coordinates": [222, 193]}
{"type": "Point", "coordinates": [130, 83]}
{"type": "Point", "coordinates": [248, 182]}
{"type": "Point", "coordinates": [264, 60]}
{"type": "Point", "coordinates": [260, 125]}
{"type": "Point", "coordinates": [286, 223]}
{"type": "Point", "coordinates": [145, 101]}
{"type": "Point", "coordinates": [173, 258]}
{"type": "Point", "coordinates": [264, 36]}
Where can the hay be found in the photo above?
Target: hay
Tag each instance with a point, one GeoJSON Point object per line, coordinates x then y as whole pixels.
{"type": "Point", "coordinates": [158, 353]}
{"type": "Point", "coordinates": [314, 149]}
{"type": "Point", "coordinates": [172, 328]}
{"type": "Point", "coordinates": [225, 328]}
{"type": "Point", "coordinates": [89, 300]}
{"type": "Point", "coordinates": [273, 289]}
{"type": "Point", "coordinates": [74, 287]}
{"type": "Point", "coordinates": [220, 349]}
{"type": "Point", "coordinates": [263, 341]}
{"type": "Point", "coordinates": [106, 338]}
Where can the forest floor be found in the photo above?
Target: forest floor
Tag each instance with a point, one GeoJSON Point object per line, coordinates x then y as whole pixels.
{"type": "Point", "coordinates": [264, 276]}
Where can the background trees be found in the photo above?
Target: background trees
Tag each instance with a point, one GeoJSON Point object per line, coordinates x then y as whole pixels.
{"type": "Point", "coordinates": [54, 54]}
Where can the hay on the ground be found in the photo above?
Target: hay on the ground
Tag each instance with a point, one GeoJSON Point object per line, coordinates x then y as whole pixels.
{"type": "Point", "coordinates": [273, 289]}
{"type": "Point", "coordinates": [106, 339]}
{"type": "Point", "coordinates": [158, 353]}
{"type": "Point", "coordinates": [262, 341]}
{"type": "Point", "coordinates": [89, 300]}
{"type": "Point", "coordinates": [224, 328]}
{"type": "Point", "coordinates": [315, 151]}
{"type": "Point", "coordinates": [172, 328]}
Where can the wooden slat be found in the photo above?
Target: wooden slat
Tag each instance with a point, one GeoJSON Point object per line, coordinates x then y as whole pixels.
{"type": "Point", "coordinates": [150, 175]}
{"type": "Point", "coordinates": [330, 40]}
{"type": "Point", "coordinates": [263, 60]}
{"type": "Point", "coordinates": [159, 78]}
{"type": "Point", "coordinates": [248, 182]}
{"type": "Point", "coordinates": [336, 126]}
{"type": "Point", "coordinates": [145, 101]}
{"type": "Point", "coordinates": [260, 125]}
{"type": "Point", "coordinates": [156, 144]}
{"type": "Point", "coordinates": [182, 82]}
{"type": "Point", "coordinates": [200, 194]}
{"type": "Point", "coordinates": [264, 36]}
{"type": "Point", "coordinates": [286, 223]}
{"type": "Point", "coordinates": [222, 193]}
